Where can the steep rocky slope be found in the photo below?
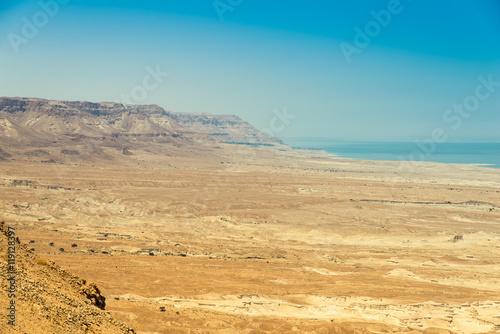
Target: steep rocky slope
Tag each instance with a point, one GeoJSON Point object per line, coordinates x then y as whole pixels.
{"type": "Point", "coordinates": [86, 119]}
{"type": "Point", "coordinates": [89, 131]}
{"type": "Point", "coordinates": [46, 298]}
{"type": "Point", "coordinates": [227, 128]}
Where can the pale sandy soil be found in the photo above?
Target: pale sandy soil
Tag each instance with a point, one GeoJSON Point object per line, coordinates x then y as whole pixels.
{"type": "Point", "coordinates": [271, 242]}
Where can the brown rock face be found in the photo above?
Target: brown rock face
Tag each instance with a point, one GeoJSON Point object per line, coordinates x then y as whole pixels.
{"type": "Point", "coordinates": [46, 118]}
{"type": "Point", "coordinates": [79, 131]}
{"type": "Point", "coordinates": [92, 293]}
{"type": "Point", "coordinates": [85, 131]}
{"type": "Point", "coordinates": [227, 128]}
{"type": "Point", "coordinates": [77, 119]}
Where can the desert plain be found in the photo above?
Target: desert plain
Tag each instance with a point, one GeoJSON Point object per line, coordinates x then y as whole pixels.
{"type": "Point", "coordinates": [266, 240]}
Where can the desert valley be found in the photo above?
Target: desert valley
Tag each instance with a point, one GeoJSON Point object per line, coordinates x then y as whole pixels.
{"type": "Point", "coordinates": [137, 219]}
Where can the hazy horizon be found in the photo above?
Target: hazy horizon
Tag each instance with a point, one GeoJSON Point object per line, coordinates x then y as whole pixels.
{"type": "Point", "coordinates": [364, 70]}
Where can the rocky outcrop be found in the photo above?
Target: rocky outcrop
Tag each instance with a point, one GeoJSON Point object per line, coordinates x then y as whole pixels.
{"type": "Point", "coordinates": [93, 294]}
{"type": "Point", "coordinates": [227, 128]}
{"type": "Point", "coordinates": [4, 155]}
{"type": "Point", "coordinates": [46, 297]}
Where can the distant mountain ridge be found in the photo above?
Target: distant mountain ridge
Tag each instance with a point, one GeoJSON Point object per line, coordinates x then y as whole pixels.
{"type": "Point", "coordinates": [227, 128]}
{"type": "Point", "coordinates": [87, 132]}
{"type": "Point", "coordinates": [109, 118]}
{"type": "Point", "coordinates": [97, 127]}
{"type": "Point", "coordinates": [87, 119]}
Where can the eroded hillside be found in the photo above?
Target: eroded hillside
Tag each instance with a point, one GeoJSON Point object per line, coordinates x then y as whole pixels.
{"type": "Point", "coordinates": [39, 297]}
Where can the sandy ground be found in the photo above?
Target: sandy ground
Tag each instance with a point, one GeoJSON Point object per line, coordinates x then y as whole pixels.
{"type": "Point", "coordinates": [271, 242]}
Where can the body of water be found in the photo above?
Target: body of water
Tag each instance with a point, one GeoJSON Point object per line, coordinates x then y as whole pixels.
{"type": "Point", "coordinates": [469, 153]}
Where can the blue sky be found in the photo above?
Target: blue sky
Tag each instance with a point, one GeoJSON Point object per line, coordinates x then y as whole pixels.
{"type": "Point", "coordinates": [266, 56]}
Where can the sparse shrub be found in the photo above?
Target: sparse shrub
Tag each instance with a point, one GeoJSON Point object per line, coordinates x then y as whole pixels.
{"type": "Point", "coordinates": [458, 238]}
{"type": "Point", "coordinates": [74, 245]}
{"type": "Point", "coordinates": [61, 249]}
{"type": "Point", "coordinates": [162, 308]}
{"type": "Point", "coordinates": [32, 241]}
{"type": "Point", "coordinates": [51, 244]}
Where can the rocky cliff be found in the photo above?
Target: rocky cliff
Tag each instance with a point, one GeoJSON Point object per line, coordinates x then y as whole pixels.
{"type": "Point", "coordinates": [227, 128]}
{"type": "Point", "coordinates": [91, 131]}
{"type": "Point", "coordinates": [46, 117]}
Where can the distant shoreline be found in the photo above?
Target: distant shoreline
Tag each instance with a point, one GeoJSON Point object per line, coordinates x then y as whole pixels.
{"type": "Point", "coordinates": [472, 153]}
